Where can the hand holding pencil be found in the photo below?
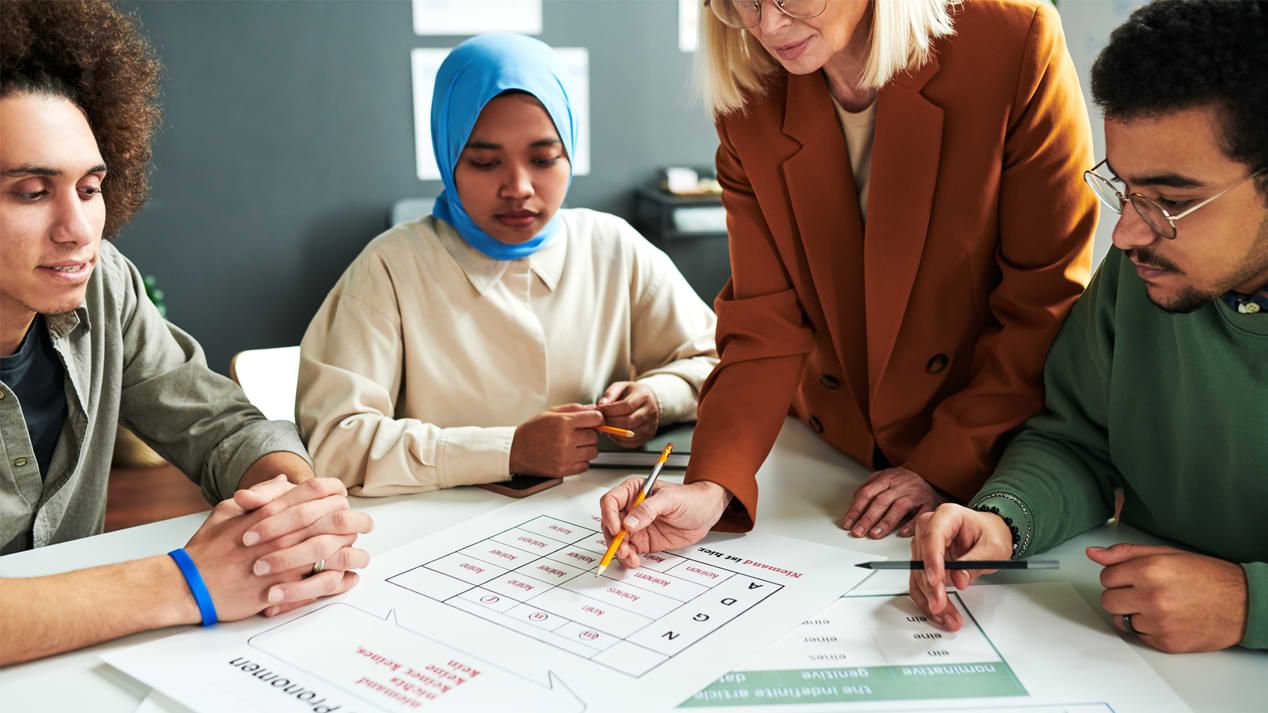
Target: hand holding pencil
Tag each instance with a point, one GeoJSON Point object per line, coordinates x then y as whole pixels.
{"type": "Point", "coordinates": [671, 516]}
{"type": "Point", "coordinates": [957, 533]}
{"type": "Point", "coordinates": [642, 495]}
{"type": "Point", "coordinates": [631, 407]}
{"type": "Point", "coordinates": [561, 441]}
{"type": "Point", "coordinates": [557, 442]}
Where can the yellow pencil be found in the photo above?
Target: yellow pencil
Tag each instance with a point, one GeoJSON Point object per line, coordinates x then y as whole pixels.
{"type": "Point", "coordinates": [615, 431]}
{"type": "Point", "coordinates": [642, 495]}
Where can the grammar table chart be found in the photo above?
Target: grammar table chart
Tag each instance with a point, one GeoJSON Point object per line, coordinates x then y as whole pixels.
{"type": "Point", "coordinates": [537, 578]}
{"type": "Point", "coordinates": [872, 648]}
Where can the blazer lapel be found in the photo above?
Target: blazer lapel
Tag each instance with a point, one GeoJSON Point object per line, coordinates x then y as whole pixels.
{"type": "Point", "coordinates": [825, 205]}
{"type": "Point", "coordinates": [906, 150]}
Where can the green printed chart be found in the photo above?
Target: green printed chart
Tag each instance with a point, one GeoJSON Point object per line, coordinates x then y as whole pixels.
{"type": "Point", "coordinates": [869, 649]}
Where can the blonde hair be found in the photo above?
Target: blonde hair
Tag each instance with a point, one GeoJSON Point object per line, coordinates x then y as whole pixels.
{"type": "Point", "coordinates": [734, 66]}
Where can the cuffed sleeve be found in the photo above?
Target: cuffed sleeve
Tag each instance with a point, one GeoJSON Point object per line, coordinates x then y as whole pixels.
{"type": "Point", "coordinates": [1014, 511]}
{"type": "Point", "coordinates": [1256, 605]}
{"type": "Point", "coordinates": [674, 395]}
{"type": "Point", "coordinates": [470, 455]}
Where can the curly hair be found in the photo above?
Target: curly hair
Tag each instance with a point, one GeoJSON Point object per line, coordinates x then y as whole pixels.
{"type": "Point", "coordinates": [93, 55]}
{"type": "Point", "coordinates": [1179, 54]}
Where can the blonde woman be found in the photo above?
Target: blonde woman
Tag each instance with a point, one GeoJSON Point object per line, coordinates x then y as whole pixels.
{"type": "Point", "coordinates": [907, 229]}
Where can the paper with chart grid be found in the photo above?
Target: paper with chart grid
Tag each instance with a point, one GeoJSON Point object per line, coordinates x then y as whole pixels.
{"type": "Point", "coordinates": [1036, 648]}
{"type": "Point", "coordinates": [504, 613]}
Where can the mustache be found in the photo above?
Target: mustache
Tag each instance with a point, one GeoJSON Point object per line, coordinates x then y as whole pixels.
{"type": "Point", "coordinates": [1149, 258]}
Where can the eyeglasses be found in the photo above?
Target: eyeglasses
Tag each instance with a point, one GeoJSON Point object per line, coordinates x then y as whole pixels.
{"type": "Point", "coordinates": [1159, 219]}
{"type": "Point", "coordinates": [746, 14]}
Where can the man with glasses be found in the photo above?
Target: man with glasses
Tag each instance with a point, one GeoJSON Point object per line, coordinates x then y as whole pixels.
{"type": "Point", "coordinates": [1156, 385]}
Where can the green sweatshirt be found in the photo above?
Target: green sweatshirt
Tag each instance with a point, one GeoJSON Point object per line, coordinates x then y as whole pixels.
{"type": "Point", "coordinates": [1172, 408]}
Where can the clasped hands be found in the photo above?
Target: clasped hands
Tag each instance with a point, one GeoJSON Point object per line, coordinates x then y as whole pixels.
{"type": "Point", "coordinates": [257, 550]}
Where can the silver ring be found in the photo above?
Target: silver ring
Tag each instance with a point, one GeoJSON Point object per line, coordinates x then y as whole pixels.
{"type": "Point", "coordinates": [318, 566]}
{"type": "Point", "coordinates": [1127, 624]}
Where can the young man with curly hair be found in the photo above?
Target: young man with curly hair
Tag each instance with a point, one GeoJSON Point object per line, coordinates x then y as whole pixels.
{"type": "Point", "coordinates": [82, 350]}
{"type": "Point", "coordinates": [1156, 385]}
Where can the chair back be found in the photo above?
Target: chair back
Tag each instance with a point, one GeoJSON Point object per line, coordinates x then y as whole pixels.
{"type": "Point", "coordinates": [269, 377]}
{"type": "Point", "coordinates": [409, 209]}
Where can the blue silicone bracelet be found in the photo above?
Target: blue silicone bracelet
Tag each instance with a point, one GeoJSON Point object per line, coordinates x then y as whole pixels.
{"type": "Point", "coordinates": [196, 587]}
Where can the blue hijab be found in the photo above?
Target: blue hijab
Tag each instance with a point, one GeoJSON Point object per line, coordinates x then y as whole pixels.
{"type": "Point", "coordinates": [473, 74]}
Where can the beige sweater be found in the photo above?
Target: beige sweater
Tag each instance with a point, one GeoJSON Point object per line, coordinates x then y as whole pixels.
{"type": "Point", "coordinates": [859, 128]}
{"type": "Point", "coordinates": [427, 354]}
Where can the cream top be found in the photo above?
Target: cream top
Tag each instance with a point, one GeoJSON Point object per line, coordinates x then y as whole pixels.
{"type": "Point", "coordinates": [859, 127]}
{"type": "Point", "coordinates": [427, 354]}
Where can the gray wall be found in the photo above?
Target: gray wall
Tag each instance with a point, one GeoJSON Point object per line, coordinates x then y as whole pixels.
{"type": "Point", "coordinates": [288, 134]}
{"type": "Point", "coordinates": [1087, 25]}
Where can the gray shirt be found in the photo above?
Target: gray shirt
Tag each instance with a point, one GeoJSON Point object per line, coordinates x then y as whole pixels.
{"type": "Point", "coordinates": [125, 365]}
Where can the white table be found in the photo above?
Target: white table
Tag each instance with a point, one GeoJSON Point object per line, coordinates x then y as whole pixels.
{"type": "Point", "coordinates": [806, 488]}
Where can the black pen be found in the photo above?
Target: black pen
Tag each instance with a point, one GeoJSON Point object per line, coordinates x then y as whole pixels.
{"type": "Point", "coordinates": [965, 564]}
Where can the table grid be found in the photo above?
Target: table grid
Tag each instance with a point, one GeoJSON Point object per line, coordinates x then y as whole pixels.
{"type": "Point", "coordinates": [536, 578]}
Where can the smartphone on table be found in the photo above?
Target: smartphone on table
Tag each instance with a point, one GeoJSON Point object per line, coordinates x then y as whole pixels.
{"type": "Point", "coordinates": [520, 486]}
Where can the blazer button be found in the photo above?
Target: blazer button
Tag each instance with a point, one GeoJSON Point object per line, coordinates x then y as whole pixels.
{"type": "Point", "coordinates": [937, 364]}
{"type": "Point", "coordinates": [829, 382]}
{"type": "Point", "coordinates": [816, 425]}
{"type": "Point", "coordinates": [20, 462]}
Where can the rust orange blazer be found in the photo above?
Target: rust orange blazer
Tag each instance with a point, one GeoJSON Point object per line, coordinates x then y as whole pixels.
{"type": "Point", "coordinates": [921, 337]}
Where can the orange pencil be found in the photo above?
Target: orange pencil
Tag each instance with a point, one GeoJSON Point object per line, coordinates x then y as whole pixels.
{"type": "Point", "coordinates": [642, 495]}
{"type": "Point", "coordinates": [615, 431]}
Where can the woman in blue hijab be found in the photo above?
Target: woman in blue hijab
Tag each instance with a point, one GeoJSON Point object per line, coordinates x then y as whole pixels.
{"type": "Point", "coordinates": [475, 73]}
{"type": "Point", "coordinates": [496, 335]}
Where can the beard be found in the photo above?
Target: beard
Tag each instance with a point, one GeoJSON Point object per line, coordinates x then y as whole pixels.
{"type": "Point", "coordinates": [1189, 297]}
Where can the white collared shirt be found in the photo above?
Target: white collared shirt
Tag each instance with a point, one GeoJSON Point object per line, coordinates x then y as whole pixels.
{"type": "Point", "coordinates": [427, 354]}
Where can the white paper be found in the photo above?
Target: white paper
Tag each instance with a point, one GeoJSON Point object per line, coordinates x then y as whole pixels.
{"type": "Point", "coordinates": [504, 613]}
{"type": "Point", "coordinates": [472, 17]}
{"type": "Point", "coordinates": [424, 64]}
{"type": "Point", "coordinates": [1021, 646]}
{"type": "Point", "coordinates": [688, 25]}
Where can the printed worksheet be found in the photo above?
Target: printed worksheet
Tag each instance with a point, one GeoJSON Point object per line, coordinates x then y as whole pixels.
{"type": "Point", "coordinates": [505, 612]}
{"type": "Point", "coordinates": [873, 648]}
{"type": "Point", "coordinates": [1037, 647]}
